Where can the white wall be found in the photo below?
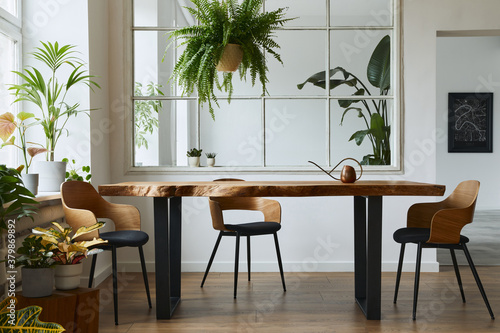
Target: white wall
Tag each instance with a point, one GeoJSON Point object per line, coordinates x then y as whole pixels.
{"type": "Point", "coordinates": [469, 64]}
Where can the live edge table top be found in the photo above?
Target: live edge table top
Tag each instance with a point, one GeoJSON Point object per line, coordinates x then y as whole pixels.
{"type": "Point", "coordinates": [272, 189]}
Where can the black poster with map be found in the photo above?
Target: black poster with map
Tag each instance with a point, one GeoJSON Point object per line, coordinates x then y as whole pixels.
{"type": "Point", "coordinates": [470, 122]}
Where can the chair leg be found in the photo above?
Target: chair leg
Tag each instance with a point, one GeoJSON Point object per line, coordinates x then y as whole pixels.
{"type": "Point", "coordinates": [236, 262]}
{"type": "Point", "coordinates": [211, 258]}
{"type": "Point", "coordinates": [400, 268]}
{"type": "Point", "coordinates": [115, 282]}
{"type": "Point", "coordinates": [457, 273]}
{"type": "Point", "coordinates": [417, 280]}
{"type": "Point", "coordinates": [145, 275]}
{"type": "Point", "coordinates": [92, 270]}
{"type": "Point", "coordinates": [478, 281]}
{"type": "Point", "coordinates": [248, 257]}
{"type": "Point", "coordinates": [280, 264]}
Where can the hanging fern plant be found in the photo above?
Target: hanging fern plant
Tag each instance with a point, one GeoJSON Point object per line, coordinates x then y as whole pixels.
{"type": "Point", "coordinates": [222, 23]}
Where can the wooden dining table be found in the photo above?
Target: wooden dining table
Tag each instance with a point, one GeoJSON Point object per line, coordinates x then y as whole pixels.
{"type": "Point", "coordinates": [367, 225]}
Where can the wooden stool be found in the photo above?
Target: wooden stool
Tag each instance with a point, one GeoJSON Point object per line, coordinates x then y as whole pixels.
{"type": "Point", "coordinates": [76, 310]}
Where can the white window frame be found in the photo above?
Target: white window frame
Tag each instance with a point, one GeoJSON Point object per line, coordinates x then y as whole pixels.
{"type": "Point", "coordinates": [11, 26]}
{"type": "Point", "coordinates": [397, 98]}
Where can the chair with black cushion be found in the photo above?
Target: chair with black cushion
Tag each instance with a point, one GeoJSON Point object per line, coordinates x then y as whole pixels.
{"type": "Point", "coordinates": [438, 225]}
{"type": "Point", "coordinates": [83, 206]}
{"type": "Point", "coordinates": [271, 210]}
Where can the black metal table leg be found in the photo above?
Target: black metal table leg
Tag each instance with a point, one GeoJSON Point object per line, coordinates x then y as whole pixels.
{"type": "Point", "coordinates": [167, 226]}
{"type": "Point", "coordinates": [368, 254]}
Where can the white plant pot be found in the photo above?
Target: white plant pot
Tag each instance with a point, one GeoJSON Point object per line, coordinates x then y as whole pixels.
{"type": "Point", "coordinates": [30, 181]}
{"type": "Point", "coordinates": [68, 276]}
{"type": "Point", "coordinates": [37, 282]}
{"type": "Point", "coordinates": [210, 162]}
{"type": "Point", "coordinates": [52, 175]}
{"type": "Point", "coordinates": [194, 161]}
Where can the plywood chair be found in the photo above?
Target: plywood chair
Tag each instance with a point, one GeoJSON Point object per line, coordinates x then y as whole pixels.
{"type": "Point", "coordinates": [271, 209]}
{"type": "Point", "coordinates": [438, 225]}
{"type": "Point", "coordinates": [83, 206]}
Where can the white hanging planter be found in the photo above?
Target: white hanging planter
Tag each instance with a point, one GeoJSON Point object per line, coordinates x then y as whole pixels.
{"type": "Point", "coordinates": [51, 175]}
{"type": "Point", "coordinates": [68, 276]}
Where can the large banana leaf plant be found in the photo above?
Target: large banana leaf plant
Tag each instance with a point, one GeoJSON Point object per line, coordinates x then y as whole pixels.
{"type": "Point", "coordinates": [374, 112]}
{"type": "Point", "coordinates": [49, 94]}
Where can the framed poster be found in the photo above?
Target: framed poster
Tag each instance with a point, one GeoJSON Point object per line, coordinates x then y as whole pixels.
{"type": "Point", "coordinates": [470, 123]}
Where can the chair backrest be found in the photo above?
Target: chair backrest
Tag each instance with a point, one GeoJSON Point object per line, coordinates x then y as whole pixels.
{"type": "Point", "coordinates": [446, 218]}
{"type": "Point", "coordinates": [270, 208]}
{"type": "Point", "coordinates": [83, 206]}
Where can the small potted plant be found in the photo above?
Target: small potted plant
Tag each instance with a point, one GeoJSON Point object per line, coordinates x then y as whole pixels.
{"type": "Point", "coordinates": [37, 262]}
{"type": "Point", "coordinates": [194, 157]}
{"type": "Point", "coordinates": [67, 252]}
{"type": "Point", "coordinates": [50, 95]}
{"type": "Point", "coordinates": [228, 33]}
{"type": "Point", "coordinates": [15, 199]}
{"type": "Point", "coordinates": [74, 172]}
{"type": "Point", "coordinates": [210, 159]}
{"type": "Point", "coordinates": [8, 126]}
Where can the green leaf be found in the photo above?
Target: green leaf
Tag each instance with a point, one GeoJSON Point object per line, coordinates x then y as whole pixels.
{"type": "Point", "coordinates": [26, 320]}
{"type": "Point", "coordinates": [359, 136]}
{"type": "Point", "coordinates": [377, 127]}
{"type": "Point", "coordinates": [379, 70]}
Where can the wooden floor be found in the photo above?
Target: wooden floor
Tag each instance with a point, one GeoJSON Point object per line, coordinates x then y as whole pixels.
{"type": "Point", "coordinates": [314, 302]}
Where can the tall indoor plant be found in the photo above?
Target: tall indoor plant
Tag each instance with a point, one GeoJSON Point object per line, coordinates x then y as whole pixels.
{"type": "Point", "coordinates": [374, 113]}
{"type": "Point", "coordinates": [241, 29]}
{"type": "Point", "coordinates": [49, 93]}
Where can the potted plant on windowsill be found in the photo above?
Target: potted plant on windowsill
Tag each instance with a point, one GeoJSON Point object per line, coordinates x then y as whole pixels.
{"type": "Point", "coordinates": [50, 94]}
{"type": "Point", "coordinates": [225, 27]}
{"type": "Point", "coordinates": [194, 157]}
{"type": "Point", "coordinates": [68, 252]}
{"type": "Point", "coordinates": [210, 159]}
{"type": "Point", "coordinates": [8, 126]}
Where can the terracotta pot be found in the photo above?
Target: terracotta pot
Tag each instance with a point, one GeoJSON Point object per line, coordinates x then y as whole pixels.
{"type": "Point", "coordinates": [231, 58]}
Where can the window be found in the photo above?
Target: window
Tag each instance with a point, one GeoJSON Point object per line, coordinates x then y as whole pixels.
{"type": "Point", "coordinates": [10, 51]}
{"type": "Point", "coordinates": [284, 130]}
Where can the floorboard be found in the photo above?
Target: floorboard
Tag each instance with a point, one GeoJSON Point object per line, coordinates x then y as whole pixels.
{"type": "Point", "coordinates": [314, 302]}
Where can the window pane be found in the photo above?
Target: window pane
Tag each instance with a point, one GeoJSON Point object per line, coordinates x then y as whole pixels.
{"type": "Point", "coordinates": [352, 51]}
{"type": "Point", "coordinates": [308, 13]}
{"type": "Point", "coordinates": [10, 6]}
{"type": "Point", "coordinates": [235, 135]}
{"type": "Point", "coordinates": [149, 48]}
{"type": "Point", "coordinates": [162, 13]}
{"type": "Point", "coordinates": [341, 131]}
{"type": "Point", "coordinates": [303, 54]}
{"type": "Point", "coordinates": [163, 137]}
{"type": "Point", "coordinates": [352, 13]}
{"type": "Point", "coordinates": [7, 65]}
{"type": "Point", "coordinates": [296, 132]}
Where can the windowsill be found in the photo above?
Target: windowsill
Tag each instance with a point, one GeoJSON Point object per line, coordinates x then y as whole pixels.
{"type": "Point", "coordinates": [48, 196]}
{"type": "Point", "coordinates": [145, 170]}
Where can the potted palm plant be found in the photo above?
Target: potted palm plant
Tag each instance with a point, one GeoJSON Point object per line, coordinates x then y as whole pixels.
{"type": "Point", "coordinates": [8, 126]}
{"type": "Point", "coordinates": [50, 94]}
{"type": "Point", "coordinates": [225, 28]}
{"type": "Point", "coordinates": [68, 252]}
